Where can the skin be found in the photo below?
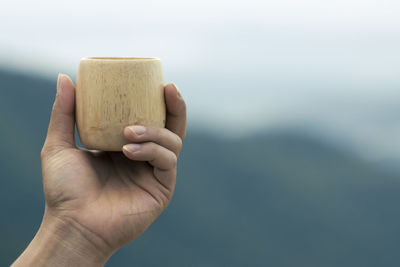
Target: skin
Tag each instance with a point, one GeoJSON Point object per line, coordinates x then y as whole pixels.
{"type": "Point", "coordinates": [96, 201]}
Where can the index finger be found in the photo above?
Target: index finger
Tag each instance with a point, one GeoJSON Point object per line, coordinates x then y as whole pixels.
{"type": "Point", "coordinates": [176, 110]}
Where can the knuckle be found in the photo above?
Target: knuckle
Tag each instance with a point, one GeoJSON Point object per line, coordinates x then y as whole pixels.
{"type": "Point", "coordinates": [158, 134]}
{"type": "Point", "coordinates": [167, 200]}
{"type": "Point", "coordinates": [173, 160]}
{"type": "Point", "coordinates": [154, 150]}
{"type": "Point", "coordinates": [179, 142]}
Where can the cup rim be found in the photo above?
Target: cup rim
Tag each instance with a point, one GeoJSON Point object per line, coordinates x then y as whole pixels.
{"type": "Point", "coordinates": [121, 58]}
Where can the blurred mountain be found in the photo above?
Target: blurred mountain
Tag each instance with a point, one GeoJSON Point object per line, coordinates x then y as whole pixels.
{"type": "Point", "coordinates": [270, 199]}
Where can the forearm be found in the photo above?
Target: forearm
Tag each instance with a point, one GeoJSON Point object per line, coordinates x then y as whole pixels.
{"type": "Point", "coordinates": [62, 243]}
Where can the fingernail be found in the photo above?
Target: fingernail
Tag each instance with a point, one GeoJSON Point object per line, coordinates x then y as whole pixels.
{"type": "Point", "coordinates": [131, 147]}
{"type": "Point", "coordinates": [138, 129]}
{"type": "Point", "coordinates": [177, 90]}
{"type": "Point", "coordinates": [59, 81]}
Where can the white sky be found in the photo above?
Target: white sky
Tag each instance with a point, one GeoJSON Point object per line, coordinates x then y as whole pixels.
{"type": "Point", "coordinates": [254, 64]}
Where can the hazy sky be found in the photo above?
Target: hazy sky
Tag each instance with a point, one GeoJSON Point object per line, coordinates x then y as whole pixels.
{"type": "Point", "coordinates": [333, 65]}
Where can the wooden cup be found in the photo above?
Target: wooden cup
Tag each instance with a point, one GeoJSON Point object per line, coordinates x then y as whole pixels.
{"type": "Point", "coordinates": [114, 92]}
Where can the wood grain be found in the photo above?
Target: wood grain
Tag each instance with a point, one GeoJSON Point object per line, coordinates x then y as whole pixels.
{"type": "Point", "coordinates": [112, 93]}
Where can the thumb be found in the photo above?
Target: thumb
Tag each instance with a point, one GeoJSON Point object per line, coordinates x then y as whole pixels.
{"type": "Point", "coordinates": [61, 131]}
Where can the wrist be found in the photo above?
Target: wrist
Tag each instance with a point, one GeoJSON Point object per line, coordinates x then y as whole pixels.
{"type": "Point", "coordinates": [64, 242]}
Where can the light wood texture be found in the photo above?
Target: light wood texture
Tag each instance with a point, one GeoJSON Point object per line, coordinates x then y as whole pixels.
{"type": "Point", "coordinates": [112, 93]}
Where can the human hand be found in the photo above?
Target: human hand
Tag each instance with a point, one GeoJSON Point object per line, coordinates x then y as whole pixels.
{"type": "Point", "coordinates": [98, 201]}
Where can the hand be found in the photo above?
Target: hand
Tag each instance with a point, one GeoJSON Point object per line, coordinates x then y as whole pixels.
{"type": "Point", "coordinates": [98, 201]}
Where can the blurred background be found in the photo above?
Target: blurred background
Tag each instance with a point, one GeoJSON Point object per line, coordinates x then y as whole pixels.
{"type": "Point", "coordinates": [292, 154]}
